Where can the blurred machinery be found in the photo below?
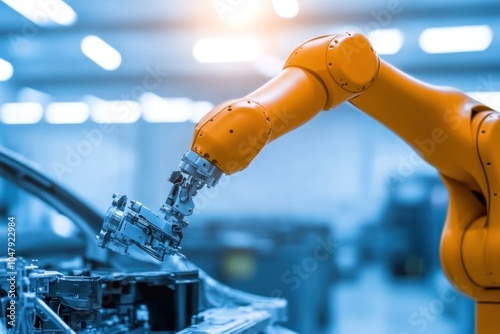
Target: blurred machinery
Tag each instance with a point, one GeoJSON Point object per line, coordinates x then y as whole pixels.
{"type": "Point", "coordinates": [96, 302]}
{"type": "Point", "coordinates": [278, 257]}
{"type": "Point", "coordinates": [411, 229]}
{"type": "Point", "coordinates": [34, 300]}
{"type": "Point", "coordinates": [92, 291]}
{"type": "Point", "coordinates": [413, 220]}
{"type": "Point", "coordinates": [285, 259]}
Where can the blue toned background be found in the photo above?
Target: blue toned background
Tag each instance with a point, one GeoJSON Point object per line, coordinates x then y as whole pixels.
{"type": "Point", "coordinates": [104, 96]}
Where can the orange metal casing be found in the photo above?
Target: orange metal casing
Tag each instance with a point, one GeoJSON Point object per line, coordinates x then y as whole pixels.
{"type": "Point", "coordinates": [320, 74]}
{"type": "Point", "coordinates": [442, 124]}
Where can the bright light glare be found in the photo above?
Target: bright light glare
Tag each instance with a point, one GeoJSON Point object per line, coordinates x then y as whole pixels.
{"type": "Point", "coordinates": [199, 109]}
{"type": "Point", "coordinates": [21, 113]}
{"type": "Point", "coordinates": [226, 50]}
{"type": "Point", "coordinates": [67, 112]}
{"type": "Point", "coordinates": [119, 111]}
{"type": "Point", "coordinates": [238, 12]}
{"type": "Point", "coordinates": [101, 53]}
{"type": "Point", "coordinates": [6, 70]}
{"type": "Point", "coordinates": [44, 12]}
{"type": "Point", "coordinates": [456, 39]}
{"type": "Point", "coordinates": [269, 65]}
{"type": "Point", "coordinates": [491, 99]}
{"type": "Point", "coordinates": [286, 9]}
{"type": "Point", "coordinates": [62, 225]}
{"type": "Point", "coordinates": [165, 110]}
{"type": "Point", "coordinates": [386, 41]}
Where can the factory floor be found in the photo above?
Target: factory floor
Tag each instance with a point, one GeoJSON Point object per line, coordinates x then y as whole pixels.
{"type": "Point", "coordinates": [376, 304]}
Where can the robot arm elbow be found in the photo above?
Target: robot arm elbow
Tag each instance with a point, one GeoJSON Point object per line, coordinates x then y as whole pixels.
{"type": "Point", "coordinates": [345, 63]}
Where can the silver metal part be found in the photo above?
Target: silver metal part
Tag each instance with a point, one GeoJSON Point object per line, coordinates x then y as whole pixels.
{"type": "Point", "coordinates": [45, 309]}
{"type": "Point", "coordinates": [181, 300]}
{"type": "Point", "coordinates": [133, 224]}
{"type": "Point", "coordinates": [158, 234]}
{"type": "Point", "coordinates": [38, 294]}
{"type": "Point", "coordinates": [242, 320]}
{"type": "Point", "coordinates": [192, 163]}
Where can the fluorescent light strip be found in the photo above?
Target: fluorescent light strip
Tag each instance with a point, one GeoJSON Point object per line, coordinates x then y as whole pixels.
{"type": "Point", "coordinates": [165, 110]}
{"type": "Point", "coordinates": [456, 39]}
{"type": "Point", "coordinates": [44, 12]}
{"type": "Point", "coordinates": [286, 9]}
{"type": "Point", "coordinates": [21, 113]}
{"type": "Point", "coordinates": [6, 70]}
{"type": "Point", "coordinates": [67, 112]}
{"type": "Point", "coordinates": [226, 50]}
{"type": "Point", "coordinates": [386, 41]}
{"type": "Point", "coordinates": [101, 53]}
{"type": "Point", "coordinates": [119, 111]}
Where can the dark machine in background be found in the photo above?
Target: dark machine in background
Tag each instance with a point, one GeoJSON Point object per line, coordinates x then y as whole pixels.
{"type": "Point", "coordinates": [411, 226]}
{"type": "Point", "coordinates": [278, 257]}
{"type": "Point", "coordinates": [413, 220]}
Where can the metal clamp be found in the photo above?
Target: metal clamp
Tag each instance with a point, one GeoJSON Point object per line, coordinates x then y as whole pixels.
{"type": "Point", "coordinates": [158, 235]}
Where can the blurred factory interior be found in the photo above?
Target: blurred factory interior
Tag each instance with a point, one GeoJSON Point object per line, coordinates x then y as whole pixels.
{"type": "Point", "coordinates": [103, 96]}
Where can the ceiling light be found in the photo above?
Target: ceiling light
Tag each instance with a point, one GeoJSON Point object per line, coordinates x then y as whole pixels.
{"type": "Point", "coordinates": [456, 39]}
{"type": "Point", "coordinates": [44, 12]}
{"type": "Point", "coordinates": [67, 112]}
{"type": "Point", "coordinates": [101, 53]}
{"type": "Point", "coordinates": [118, 111]}
{"type": "Point", "coordinates": [286, 8]}
{"type": "Point", "coordinates": [386, 41]}
{"type": "Point", "coordinates": [226, 50]}
{"type": "Point", "coordinates": [6, 70]}
{"type": "Point", "coordinates": [21, 113]}
{"type": "Point", "coordinates": [165, 110]}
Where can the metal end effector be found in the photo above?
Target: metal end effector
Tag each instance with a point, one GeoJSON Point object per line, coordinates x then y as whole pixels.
{"type": "Point", "coordinates": [159, 234]}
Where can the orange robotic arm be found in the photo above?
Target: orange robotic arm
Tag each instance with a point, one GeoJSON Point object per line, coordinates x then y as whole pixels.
{"type": "Point", "coordinates": [320, 74]}
{"type": "Point", "coordinates": [450, 131]}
